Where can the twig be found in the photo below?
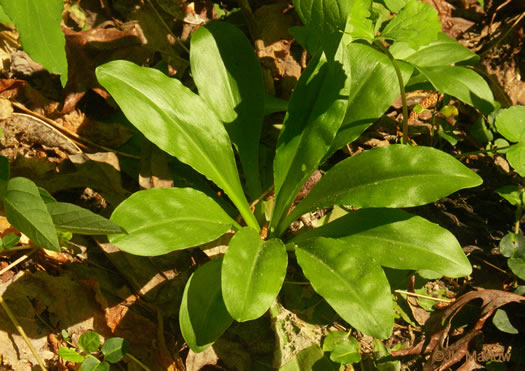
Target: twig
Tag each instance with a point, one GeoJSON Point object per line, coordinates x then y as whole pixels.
{"type": "Point", "coordinates": [71, 133]}
{"type": "Point", "coordinates": [17, 261]}
{"type": "Point", "coordinates": [21, 332]}
{"type": "Point", "coordinates": [421, 296]}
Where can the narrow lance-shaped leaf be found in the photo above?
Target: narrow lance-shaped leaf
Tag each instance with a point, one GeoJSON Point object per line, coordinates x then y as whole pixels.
{"type": "Point", "coordinates": [416, 24]}
{"type": "Point", "coordinates": [38, 23]}
{"type": "Point", "coordinates": [351, 282]}
{"type": "Point", "coordinates": [371, 94]}
{"type": "Point", "coordinates": [179, 122]}
{"type": "Point", "coordinates": [444, 51]}
{"type": "Point", "coordinates": [397, 239]}
{"type": "Point", "coordinates": [203, 317]}
{"type": "Point", "coordinates": [75, 219]}
{"type": "Point", "coordinates": [158, 221]}
{"type": "Point", "coordinates": [253, 272]}
{"type": "Point", "coordinates": [229, 78]}
{"type": "Point", "coordinates": [315, 113]}
{"type": "Point", "coordinates": [462, 83]}
{"type": "Point", "coordinates": [26, 211]}
{"type": "Point", "coordinates": [393, 176]}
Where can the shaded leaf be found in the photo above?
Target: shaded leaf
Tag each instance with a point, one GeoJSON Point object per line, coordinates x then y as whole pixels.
{"type": "Point", "coordinates": [344, 348]}
{"type": "Point", "coordinates": [114, 349]}
{"type": "Point", "coordinates": [89, 342]}
{"type": "Point", "coordinates": [397, 239]}
{"type": "Point", "coordinates": [416, 24]}
{"type": "Point", "coordinates": [513, 194]}
{"type": "Point", "coordinates": [371, 94]}
{"type": "Point", "coordinates": [253, 272]}
{"type": "Point", "coordinates": [516, 157]}
{"type": "Point", "coordinates": [178, 122]}
{"type": "Point", "coordinates": [4, 174]}
{"type": "Point", "coordinates": [203, 317]}
{"type": "Point", "coordinates": [502, 322]}
{"type": "Point", "coordinates": [510, 123]}
{"type": "Point", "coordinates": [26, 211]}
{"type": "Point", "coordinates": [38, 23]}
{"type": "Point", "coordinates": [442, 52]}
{"type": "Point", "coordinates": [93, 364]}
{"type": "Point", "coordinates": [315, 113]}
{"type": "Point", "coordinates": [351, 282]}
{"type": "Point", "coordinates": [221, 53]}
{"type": "Point", "coordinates": [517, 266]}
{"type": "Point", "coordinates": [321, 18]}
{"type": "Point", "coordinates": [75, 219]}
{"type": "Point", "coordinates": [311, 358]}
{"type": "Point", "coordinates": [392, 176]}
{"type": "Point", "coordinates": [158, 221]}
{"type": "Point", "coordinates": [462, 83]}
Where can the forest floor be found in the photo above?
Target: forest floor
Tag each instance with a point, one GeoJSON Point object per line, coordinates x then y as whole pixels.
{"type": "Point", "coordinates": [96, 160]}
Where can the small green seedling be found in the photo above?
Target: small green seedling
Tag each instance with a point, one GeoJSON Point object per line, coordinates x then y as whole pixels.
{"type": "Point", "coordinates": [89, 353]}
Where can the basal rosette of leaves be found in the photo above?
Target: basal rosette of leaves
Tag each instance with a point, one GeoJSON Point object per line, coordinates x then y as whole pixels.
{"type": "Point", "coordinates": [346, 86]}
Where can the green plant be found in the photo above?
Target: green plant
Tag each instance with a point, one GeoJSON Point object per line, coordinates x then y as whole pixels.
{"type": "Point", "coordinates": [346, 86]}
{"type": "Point", "coordinates": [34, 212]}
{"type": "Point", "coordinates": [89, 351]}
{"type": "Point", "coordinates": [38, 23]}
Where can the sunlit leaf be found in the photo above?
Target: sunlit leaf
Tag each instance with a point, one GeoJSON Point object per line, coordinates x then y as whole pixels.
{"type": "Point", "coordinates": [221, 53]}
{"type": "Point", "coordinates": [158, 221]}
{"type": "Point", "coordinates": [253, 272]}
{"type": "Point", "coordinates": [516, 157]}
{"type": "Point", "coordinates": [26, 211]}
{"type": "Point", "coordinates": [397, 239]}
{"type": "Point", "coordinates": [178, 121]}
{"type": "Point", "coordinates": [38, 23]}
{"type": "Point", "coordinates": [510, 123]}
{"type": "Point", "coordinates": [351, 282]}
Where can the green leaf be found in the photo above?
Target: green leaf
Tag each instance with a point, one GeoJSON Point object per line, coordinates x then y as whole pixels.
{"type": "Point", "coordinates": [229, 78]}
{"type": "Point", "coordinates": [114, 349]}
{"type": "Point", "coordinates": [46, 196]}
{"type": "Point", "coordinates": [321, 18]}
{"type": "Point", "coordinates": [203, 317]}
{"type": "Point", "coordinates": [315, 113]}
{"type": "Point", "coordinates": [502, 322]}
{"type": "Point", "coordinates": [273, 104]}
{"type": "Point", "coordinates": [75, 219]}
{"type": "Point", "coordinates": [26, 211]}
{"type": "Point", "coordinates": [359, 25]}
{"type": "Point", "coordinates": [93, 364]}
{"type": "Point", "coordinates": [416, 24]}
{"type": "Point", "coordinates": [311, 358]}
{"type": "Point", "coordinates": [5, 20]}
{"type": "Point", "coordinates": [462, 83]}
{"type": "Point", "coordinates": [442, 52]}
{"type": "Point", "coordinates": [512, 245]}
{"type": "Point", "coordinates": [179, 122]}
{"type": "Point", "coordinates": [89, 342]}
{"type": "Point", "coordinates": [516, 157]}
{"type": "Point", "coordinates": [513, 194]}
{"type": "Point", "coordinates": [4, 174]}
{"type": "Point", "coordinates": [344, 349]}
{"type": "Point", "coordinates": [70, 354]}
{"type": "Point", "coordinates": [253, 272]}
{"type": "Point", "coordinates": [38, 23]}
{"type": "Point", "coordinates": [510, 123]}
{"type": "Point", "coordinates": [481, 132]}
{"type": "Point", "coordinates": [159, 221]}
{"type": "Point", "coordinates": [397, 239]}
{"type": "Point", "coordinates": [351, 282]}
{"type": "Point", "coordinates": [391, 176]}
{"type": "Point", "coordinates": [371, 94]}
{"type": "Point", "coordinates": [395, 5]}
{"type": "Point", "coordinates": [10, 241]}
{"type": "Point", "coordinates": [517, 266]}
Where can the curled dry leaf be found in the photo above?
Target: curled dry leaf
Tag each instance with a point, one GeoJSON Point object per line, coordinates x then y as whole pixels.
{"type": "Point", "coordinates": [439, 327]}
